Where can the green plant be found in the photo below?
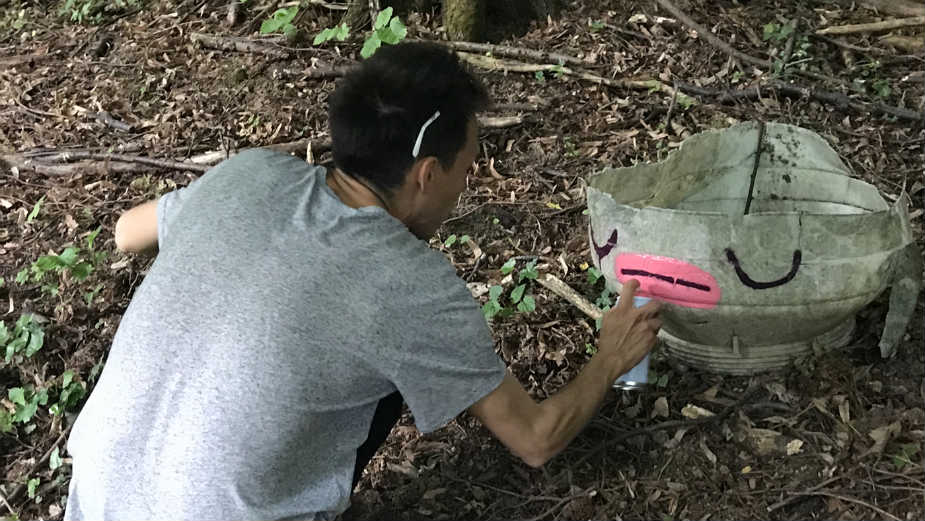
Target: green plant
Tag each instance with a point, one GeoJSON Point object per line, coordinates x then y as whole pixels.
{"type": "Point", "coordinates": [521, 301]}
{"type": "Point", "coordinates": [540, 77]}
{"type": "Point", "coordinates": [71, 393]}
{"type": "Point", "coordinates": [281, 21]}
{"type": "Point", "coordinates": [32, 486]}
{"type": "Point", "coordinates": [590, 349]}
{"type": "Point", "coordinates": [776, 32]}
{"type": "Point", "coordinates": [452, 239]}
{"type": "Point", "coordinates": [35, 210]}
{"type": "Point", "coordinates": [91, 11]}
{"type": "Point", "coordinates": [386, 29]}
{"type": "Point", "coordinates": [27, 337]}
{"type": "Point", "coordinates": [596, 26]}
{"type": "Point", "coordinates": [26, 401]}
{"type": "Point", "coordinates": [906, 452]}
{"type": "Point", "coordinates": [78, 265]}
{"type": "Point", "coordinates": [571, 150]}
{"type": "Point", "coordinates": [558, 70]}
{"type": "Point", "coordinates": [338, 32]}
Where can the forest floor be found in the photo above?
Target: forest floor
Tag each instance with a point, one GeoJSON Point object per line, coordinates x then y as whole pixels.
{"type": "Point", "coordinates": [838, 436]}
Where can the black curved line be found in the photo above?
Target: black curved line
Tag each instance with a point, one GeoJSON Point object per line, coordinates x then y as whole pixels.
{"type": "Point", "coordinates": [797, 258]}
{"type": "Point", "coordinates": [605, 249]}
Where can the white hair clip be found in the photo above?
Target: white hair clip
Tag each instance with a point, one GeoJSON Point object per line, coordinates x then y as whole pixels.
{"type": "Point", "coordinates": [417, 144]}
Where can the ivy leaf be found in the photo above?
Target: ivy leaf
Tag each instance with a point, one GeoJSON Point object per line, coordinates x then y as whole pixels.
{"type": "Point", "coordinates": [370, 45]}
{"type": "Point", "coordinates": [92, 237]}
{"type": "Point", "coordinates": [529, 272]}
{"type": "Point", "coordinates": [491, 308]}
{"type": "Point", "coordinates": [343, 30]}
{"type": "Point", "coordinates": [451, 240]}
{"type": "Point", "coordinates": [508, 266]}
{"type": "Point", "coordinates": [35, 210]}
{"type": "Point", "coordinates": [30, 488]}
{"type": "Point", "coordinates": [54, 461]}
{"type": "Point", "coordinates": [6, 421]}
{"type": "Point", "coordinates": [494, 292]}
{"type": "Point", "coordinates": [4, 333]}
{"type": "Point", "coordinates": [17, 395]}
{"type": "Point", "coordinates": [383, 18]}
{"type": "Point", "coordinates": [36, 340]}
{"type": "Point", "coordinates": [518, 293]}
{"type": "Point", "coordinates": [527, 305]}
{"type": "Point", "coordinates": [594, 275]}
{"type": "Point", "coordinates": [279, 19]}
{"type": "Point", "coordinates": [68, 257]}
{"type": "Point", "coordinates": [22, 276]}
{"type": "Point", "coordinates": [66, 378]}
{"type": "Point", "coordinates": [82, 271]}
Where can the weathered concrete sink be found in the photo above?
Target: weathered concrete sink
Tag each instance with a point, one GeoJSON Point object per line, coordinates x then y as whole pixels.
{"type": "Point", "coordinates": [760, 257]}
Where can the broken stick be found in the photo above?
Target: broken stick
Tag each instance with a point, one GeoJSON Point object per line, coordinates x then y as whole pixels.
{"type": "Point", "coordinates": [233, 43]}
{"type": "Point", "coordinates": [554, 284]}
{"type": "Point", "coordinates": [874, 27]}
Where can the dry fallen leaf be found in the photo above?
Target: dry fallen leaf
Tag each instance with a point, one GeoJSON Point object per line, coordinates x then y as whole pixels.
{"type": "Point", "coordinates": [706, 450]}
{"type": "Point", "coordinates": [794, 447]}
{"type": "Point", "coordinates": [660, 407]}
{"type": "Point", "coordinates": [694, 411]}
{"type": "Point", "coordinates": [881, 435]}
{"type": "Point", "coordinates": [676, 440]}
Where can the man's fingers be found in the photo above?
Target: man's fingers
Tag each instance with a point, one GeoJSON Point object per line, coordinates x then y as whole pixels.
{"type": "Point", "coordinates": [655, 324]}
{"type": "Point", "coordinates": [651, 309]}
{"type": "Point", "coordinates": [627, 294]}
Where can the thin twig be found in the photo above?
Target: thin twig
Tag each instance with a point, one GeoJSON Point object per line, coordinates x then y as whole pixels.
{"type": "Point", "coordinates": [672, 424]}
{"type": "Point", "coordinates": [232, 43]}
{"type": "Point", "coordinates": [554, 284]}
{"type": "Point", "coordinates": [788, 89]}
{"type": "Point", "coordinates": [520, 53]}
{"type": "Point", "coordinates": [885, 25]}
{"type": "Point", "coordinates": [22, 486]}
{"type": "Point", "coordinates": [490, 63]}
{"type": "Point", "coordinates": [785, 502]}
{"type": "Point", "coordinates": [788, 47]}
{"type": "Point", "coordinates": [850, 500]}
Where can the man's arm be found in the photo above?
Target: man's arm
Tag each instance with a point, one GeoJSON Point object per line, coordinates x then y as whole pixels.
{"type": "Point", "coordinates": [538, 431]}
{"type": "Point", "coordinates": [136, 229]}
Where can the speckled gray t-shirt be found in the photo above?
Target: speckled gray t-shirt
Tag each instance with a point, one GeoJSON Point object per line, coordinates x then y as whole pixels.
{"type": "Point", "coordinates": [246, 370]}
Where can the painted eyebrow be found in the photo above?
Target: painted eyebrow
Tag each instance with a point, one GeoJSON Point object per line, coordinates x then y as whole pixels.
{"type": "Point", "coordinates": [666, 278]}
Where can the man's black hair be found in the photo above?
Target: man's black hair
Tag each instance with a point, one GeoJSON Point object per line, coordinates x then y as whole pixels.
{"type": "Point", "coordinates": [377, 110]}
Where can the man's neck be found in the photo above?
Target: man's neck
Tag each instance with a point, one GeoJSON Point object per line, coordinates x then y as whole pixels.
{"type": "Point", "coordinates": [352, 192]}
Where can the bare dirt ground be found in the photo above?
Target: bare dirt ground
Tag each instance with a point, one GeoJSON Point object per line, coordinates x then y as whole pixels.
{"type": "Point", "coordinates": [839, 436]}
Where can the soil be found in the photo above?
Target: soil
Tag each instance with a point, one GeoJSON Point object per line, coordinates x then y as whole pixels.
{"type": "Point", "coordinates": [837, 436]}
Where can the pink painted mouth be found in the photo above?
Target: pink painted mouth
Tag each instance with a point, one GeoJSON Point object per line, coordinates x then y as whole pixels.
{"type": "Point", "coordinates": [668, 279]}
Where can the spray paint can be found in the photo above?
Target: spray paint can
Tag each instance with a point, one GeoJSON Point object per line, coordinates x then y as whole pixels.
{"type": "Point", "coordinates": [637, 378]}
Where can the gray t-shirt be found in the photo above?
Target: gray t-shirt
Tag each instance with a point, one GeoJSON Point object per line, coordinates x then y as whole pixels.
{"type": "Point", "coordinates": [246, 370]}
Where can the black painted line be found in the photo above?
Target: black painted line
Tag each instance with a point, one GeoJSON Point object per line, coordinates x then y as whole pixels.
{"type": "Point", "coordinates": [695, 285]}
{"type": "Point", "coordinates": [748, 281]}
{"type": "Point", "coordinates": [602, 251]}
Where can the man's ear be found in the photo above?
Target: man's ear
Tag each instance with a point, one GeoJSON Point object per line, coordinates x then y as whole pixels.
{"type": "Point", "coordinates": [424, 173]}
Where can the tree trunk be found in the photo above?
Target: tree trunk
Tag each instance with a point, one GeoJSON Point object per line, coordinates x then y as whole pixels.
{"type": "Point", "coordinates": [464, 19]}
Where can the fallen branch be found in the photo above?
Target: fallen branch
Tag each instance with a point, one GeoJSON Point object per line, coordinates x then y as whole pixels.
{"type": "Point", "coordinates": [18, 491]}
{"type": "Point", "coordinates": [234, 43]}
{"type": "Point", "coordinates": [896, 7]}
{"type": "Point", "coordinates": [554, 284]}
{"type": "Point", "coordinates": [705, 33]}
{"type": "Point", "coordinates": [489, 63]}
{"type": "Point", "coordinates": [500, 121]}
{"type": "Point", "coordinates": [835, 98]}
{"type": "Point", "coordinates": [66, 169]}
{"type": "Point", "coordinates": [747, 395]}
{"type": "Point", "coordinates": [874, 27]}
{"type": "Point", "coordinates": [728, 49]}
{"type": "Point", "coordinates": [912, 44]}
{"type": "Point", "coordinates": [107, 119]}
{"type": "Point", "coordinates": [517, 52]}
{"type": "Point", "coordinates": [849, 500]}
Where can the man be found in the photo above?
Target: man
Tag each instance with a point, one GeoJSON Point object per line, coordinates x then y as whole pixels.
{"type": "Point", "coordinates": [291, 310]}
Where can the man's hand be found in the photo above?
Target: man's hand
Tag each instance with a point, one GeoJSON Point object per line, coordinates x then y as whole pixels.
{"type": "Point", "coordinates": [136, 229]}
{"type": "Point", "coordinates": [628, 333]}
{"type": "Point", "coordinates": [537, 432]}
